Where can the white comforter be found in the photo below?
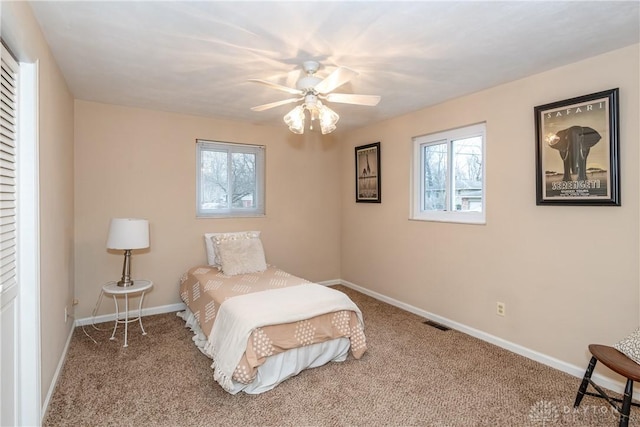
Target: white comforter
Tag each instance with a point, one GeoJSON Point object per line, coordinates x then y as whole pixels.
{"type": "Point", "coordinates": [240, 315]}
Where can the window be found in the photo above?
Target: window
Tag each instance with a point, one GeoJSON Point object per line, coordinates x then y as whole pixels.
{"type": "Point", "coordinates": [448, 176]}
{"type": "Point", "coordinates": [230, 179]}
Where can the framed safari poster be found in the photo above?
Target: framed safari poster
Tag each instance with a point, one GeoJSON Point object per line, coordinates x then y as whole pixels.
{"type": "Point", "coordinates": [577, 160]}
{"type": "Point", "coordinates": [368, 173]}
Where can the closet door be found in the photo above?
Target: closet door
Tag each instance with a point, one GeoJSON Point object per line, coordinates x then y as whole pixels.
{"type": "Point", "coordinates": [8, 240]}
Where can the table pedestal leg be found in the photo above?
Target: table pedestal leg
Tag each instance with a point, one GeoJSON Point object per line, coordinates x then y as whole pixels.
{"type": "Point", "coordinates": [115, 326]}
{"type": "Point", "coordinates": [126, 319]}
{"type": "Point", "coordinates": [140, 314]}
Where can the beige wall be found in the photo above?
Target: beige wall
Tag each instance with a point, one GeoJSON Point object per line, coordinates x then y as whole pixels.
{"type": "Point", "coordinates": [563, 287]}
{"type": "Point", "coordinates": [139, 163]}
{"type": "Point", "coordinates": [55, 114]}
{"type": "Point", "coordinates": [568, 275]}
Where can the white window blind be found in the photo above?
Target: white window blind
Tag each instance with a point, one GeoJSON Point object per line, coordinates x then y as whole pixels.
{"type": "Point", "coordinates": [8, 138]}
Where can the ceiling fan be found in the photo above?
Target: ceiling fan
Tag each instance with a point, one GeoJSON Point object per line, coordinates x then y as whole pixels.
{"type": "Point", "coordinates": [312, 89]}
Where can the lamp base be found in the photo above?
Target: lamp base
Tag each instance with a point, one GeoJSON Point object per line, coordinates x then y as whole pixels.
{"type": "Point", "coordinates": [126, 270]}
{"type": "Point", "coordinates": [125, 283]}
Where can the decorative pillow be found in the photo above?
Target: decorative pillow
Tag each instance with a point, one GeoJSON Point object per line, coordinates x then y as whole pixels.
{"type": "Point", "coordinates": [240, 256]}
{"type": "Point", "coordinates": [212, 256]}
{"type": "Point", "coordinates": [630, 346]}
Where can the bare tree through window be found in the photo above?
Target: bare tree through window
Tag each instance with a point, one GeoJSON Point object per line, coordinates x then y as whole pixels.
{"type": "Point", "coordinates": [230, 178]}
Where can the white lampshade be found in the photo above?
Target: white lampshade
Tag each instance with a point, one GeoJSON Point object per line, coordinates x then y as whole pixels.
{"type": "Point", "coordinates": [328, 119]}
{"type": "Point", "coordinates": [128, 233]}
{"type": "Point", "coordinates": [295, 119]}
{"type": "Point", "coordinates": [317, 111]}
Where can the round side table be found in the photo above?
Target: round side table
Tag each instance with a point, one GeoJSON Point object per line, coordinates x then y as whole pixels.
{"type": "Point", "coordinates": [139, 286]}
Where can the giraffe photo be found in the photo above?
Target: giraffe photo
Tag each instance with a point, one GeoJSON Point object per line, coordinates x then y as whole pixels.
{"type": "Point", "coordinates": [368, 173]}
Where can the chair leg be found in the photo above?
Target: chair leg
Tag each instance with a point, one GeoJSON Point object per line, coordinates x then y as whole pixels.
{"type": "Point", "coordinates": [626, 404]}
{"type": "Point", "coordinates": [585, 382]}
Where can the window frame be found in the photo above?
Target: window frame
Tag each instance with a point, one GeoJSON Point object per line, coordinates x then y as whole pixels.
{"type": "Point", "coordinates": [231, 148]}
{"type": "Point", "coordinates": [417, 172]}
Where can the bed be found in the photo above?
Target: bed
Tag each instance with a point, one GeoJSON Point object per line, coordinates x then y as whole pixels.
{"type": "Point", "coordinates": [259, 324]}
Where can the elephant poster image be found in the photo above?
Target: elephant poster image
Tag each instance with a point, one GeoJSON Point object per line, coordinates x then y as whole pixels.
{"type": "Point", "coordinates": [577, 151]}
{"type": "Point", "coordinates": [368, 173]}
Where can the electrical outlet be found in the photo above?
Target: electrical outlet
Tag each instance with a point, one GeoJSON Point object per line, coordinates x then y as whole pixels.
{"type": "Point", "coordinates": [501, 309]}
{"type": "Point", "coordinates": [66, 315]}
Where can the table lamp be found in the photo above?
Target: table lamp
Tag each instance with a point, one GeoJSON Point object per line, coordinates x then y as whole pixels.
{"type": "Point", "coordinates": [127, 234]}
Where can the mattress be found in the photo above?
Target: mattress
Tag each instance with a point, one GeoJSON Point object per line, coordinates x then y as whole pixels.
{"type": "Point", "coordinates": [246, 323]}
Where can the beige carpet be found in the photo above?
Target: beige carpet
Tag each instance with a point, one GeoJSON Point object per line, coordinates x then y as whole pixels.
{"type": "Point", "coordinates": [412, 375]}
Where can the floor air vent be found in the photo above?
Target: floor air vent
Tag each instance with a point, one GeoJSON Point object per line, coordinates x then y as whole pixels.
{"type": "Point", "coordinates": [436, 325]}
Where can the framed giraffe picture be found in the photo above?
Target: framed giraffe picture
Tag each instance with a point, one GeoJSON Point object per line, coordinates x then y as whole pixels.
{"type": "Point", "coordinates": [368, 173]}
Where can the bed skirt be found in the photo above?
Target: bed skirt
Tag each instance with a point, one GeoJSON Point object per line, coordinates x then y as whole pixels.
{"type": "Point", "coordinates": [281, 366]}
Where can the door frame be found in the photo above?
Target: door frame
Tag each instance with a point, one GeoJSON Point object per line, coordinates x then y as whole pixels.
{"type": "Point", "coordinates": [29, 396]}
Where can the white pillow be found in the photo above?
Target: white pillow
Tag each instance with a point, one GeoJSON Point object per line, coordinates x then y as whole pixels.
{"type": "Point", "coordinates": [212, 257]}
{"type": "Point", "coordinates": [240, 256]}
{"type": "Point", "coordinates": [630, 346]}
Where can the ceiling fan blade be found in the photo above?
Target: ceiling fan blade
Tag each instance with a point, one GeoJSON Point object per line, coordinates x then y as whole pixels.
{"type": "Point", "coordinates": [277, 86]}
{"type": "Point", "coordinates": [340, 76]}
{"type": "Point", "coordinates": [347, 98]}
{"type": "Point", "coordinates": [276, 104]}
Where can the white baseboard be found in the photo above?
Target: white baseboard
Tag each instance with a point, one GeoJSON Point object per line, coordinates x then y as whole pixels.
{"type": "Point", "coordinates": [132, 313]}
{"type": "Point", "coordinates": [330, 282]}
{"type": "Point", "coordinates": [576, 371]}
{"type": "Point", "coordinates": [56, 376]}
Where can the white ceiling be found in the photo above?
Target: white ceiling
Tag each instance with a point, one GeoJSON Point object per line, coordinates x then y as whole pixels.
{"type": "Point", "coordinates": [196, 57]}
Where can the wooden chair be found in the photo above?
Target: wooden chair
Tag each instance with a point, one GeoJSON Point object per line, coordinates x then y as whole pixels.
{"type": "Point", "coordinates": [619, 363]}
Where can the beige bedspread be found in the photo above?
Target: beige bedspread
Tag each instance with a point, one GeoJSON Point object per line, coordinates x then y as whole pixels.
{"type": "Point", "coordinates": [204, 289]}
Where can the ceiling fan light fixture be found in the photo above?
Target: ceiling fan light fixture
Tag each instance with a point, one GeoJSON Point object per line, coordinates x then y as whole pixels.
{"type": "Point", "coordinates": [328, 119]}
{"type": "Point", "coordinates": [311, 89]}
{"type": "Point", "coordinates": [310, 101]}
{"type": "Point", "coordinates": [295, 119]}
